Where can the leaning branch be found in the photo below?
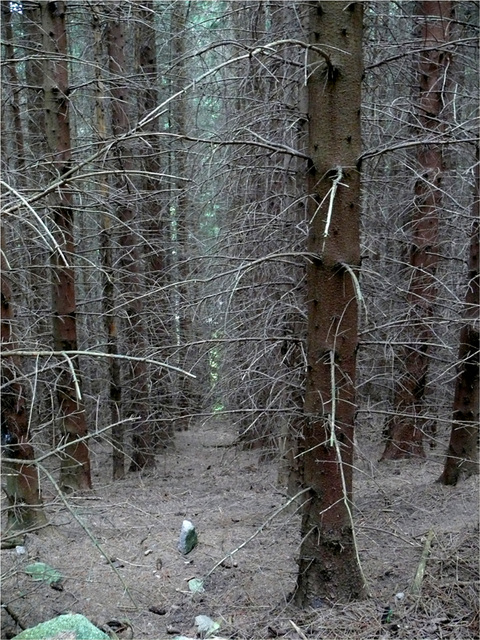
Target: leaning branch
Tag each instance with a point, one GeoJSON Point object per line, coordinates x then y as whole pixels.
{"type": "Point", "coordinates": [106, 146]}
{"type": "Point", "coordinates": [404, 54]}
{"type": "Point", "coordinates": [372, 153]}
{"type": "Point", "coordinates": [95, 354]}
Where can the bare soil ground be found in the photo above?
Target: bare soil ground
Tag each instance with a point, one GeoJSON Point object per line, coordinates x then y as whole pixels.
{"type": "Point", "coordinates": [230, 496]}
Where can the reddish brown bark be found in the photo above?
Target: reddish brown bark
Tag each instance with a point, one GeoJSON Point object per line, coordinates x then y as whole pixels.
{"type": "Point", "coordinates": [25, 503]}
{"type": "Point", "coordinates": [22, 484]}
{"type": "Point", "coordinates": [32, 37]}
{"type": "Point", "coordinates": [18, 159]}
{"type": "Point", "coordinates": [155, 216]}
{"type": "Point", "coordinates": [142, 437]}
{"type": "Point", "coordinates": [75, 461]}
{"type": "Point", "coordinates": [328, 563]}
{"type": "Point", "coordinates": [462, 454]}
{"type": "Point", "coordinates": [405, 427]}
{"type": "Point", "coordinates": [106, 255]}
{"type": "Point", "coordinates": [35, 149]}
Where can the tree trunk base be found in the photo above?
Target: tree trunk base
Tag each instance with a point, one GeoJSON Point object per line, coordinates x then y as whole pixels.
{"type": "Point", "coordinates": [25, 511]}
{"type": "Point", "coordinates": [74, 477]}
{"type": "Point", "coordinates": [462, 456]}
{"type": "Point", "coordinates": [328, 567]}
{"type": "Point", "coordinates": [404, 441]}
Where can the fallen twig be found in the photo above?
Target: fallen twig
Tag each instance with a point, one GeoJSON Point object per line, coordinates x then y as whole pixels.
{"type": "Point", "coordinates": [418, 580]}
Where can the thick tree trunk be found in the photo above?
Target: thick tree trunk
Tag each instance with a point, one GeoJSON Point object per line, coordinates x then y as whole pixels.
{"type": "Point", "coordinates": [25, 510]}
{"type": "Point", "coordinates": [405, 428]}
{"type": "Point", "coordinates": [155, 215]}
{"type": "Point", "coordinates": [328, 562]}
{"type": "Point", "coordinates": [106, 255]}
{"type": "Point", "coordinates": [36, 179]}
{"type": "Point", "coordinates": [75, 462]}
{"type": "Point", "coordinates": [18, 147]}
{"type": "Point", "coordinates": [462, 454]}
{"type": "Point", "coordinates": [142, 440]}
{"type": "Point", "coordinates": [33, 38]}
{"type": "Point", "coordinates": [22, 487]}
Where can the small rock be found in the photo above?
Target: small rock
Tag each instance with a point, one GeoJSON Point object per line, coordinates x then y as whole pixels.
{"type": "Point", "coordinates": [172, 630]}
{"type": "Point", "coordinates": [188, 538]}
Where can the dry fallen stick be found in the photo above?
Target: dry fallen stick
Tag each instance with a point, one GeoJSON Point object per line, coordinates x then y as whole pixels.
{"type": "Point", "coordinates": [298, 630]}
{"type": "Point", "coordinates": [418, 580]}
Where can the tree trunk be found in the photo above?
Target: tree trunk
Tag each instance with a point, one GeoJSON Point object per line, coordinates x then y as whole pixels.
{"type": "Point", "coordinates": [22, 487]}
{"type": "Point", "coordinates": [405, 427]}
{"type": "Point", "coordinates": [188, 397]}
{"type": "Point", "coordinates": [33, 37]}
{"type": "Point", "coordinates": [142, 441]}
{"type": "Point", "coordinates": [328, 561]}
{"type": "Point", "coordinates": [106, 255]}
{"type": "Point", "coordinates": [25, 508]}
{"type": "Point", "coordinates": [36, 177]}
{"type": "Point", "coordinates": [155, 216]}
{"type": "Point", "coordinates": [75, 462]}
{"type": "Point", "coordinates": [462, 454]}
{"type": "Point", "coordinates": [18, 159]}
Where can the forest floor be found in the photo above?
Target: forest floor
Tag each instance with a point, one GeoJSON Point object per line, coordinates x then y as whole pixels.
{"type": "Point", "coordinates": [230, 496]}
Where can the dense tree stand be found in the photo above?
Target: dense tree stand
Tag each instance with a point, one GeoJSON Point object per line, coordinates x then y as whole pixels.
{"type": "Point", "coordinates": [238, 235]}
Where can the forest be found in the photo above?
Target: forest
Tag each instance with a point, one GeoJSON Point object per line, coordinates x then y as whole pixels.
{"type": "Point", "coordinates": [240, 289]}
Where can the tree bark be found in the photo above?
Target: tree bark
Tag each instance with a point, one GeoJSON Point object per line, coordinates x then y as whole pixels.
{"type": "Point", "coordinates": [155, 216]}
{"type": "Point", "coordinates": [405, 427]}
{"type": "Point", "coordinates": [18, 159]}
{"type": "Point", "coordinates": [22, 486]}
{"type": "Point", "coordinates": [75, 462]}
{"type": "Point", "coordinates": [462, 454]}
{"type": "Point", "coordinates": [188, 396]}
{"type": "Point", "coordinates": [142, 441]}
{"type": "Point", "coordinates": [328, 562]}
{"type": "Point", "coordinates": [117, 433]}
{"type": "Point", "coordinates": [25, 508]}
{"type": "Point", "coordinates": [35, 122]}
